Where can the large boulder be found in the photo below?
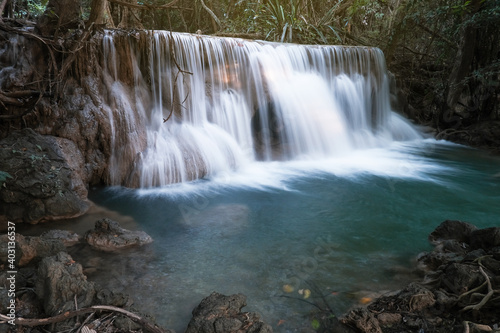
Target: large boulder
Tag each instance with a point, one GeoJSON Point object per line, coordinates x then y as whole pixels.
{"type": "Point", "coordinates": [62, 285]}
{"type": "Point", "coordinates": [29, 249]}
{"type": "Point", "coordinates": [108, 235]}
{"type": "Point", "coordinates": [452, 230]}
{"type": "Point", "coordinates": [41, 178]}
{"type": "Point", "coordinates": [218, 313]}
{"type": "Point", "coordinates": [487, 238]}
{"type": "Point", "coordinates": [459, 278]}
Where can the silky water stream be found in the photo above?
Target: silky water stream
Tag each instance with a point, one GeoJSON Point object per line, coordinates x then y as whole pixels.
{"type": "Point", "coordinates": [269, 169]}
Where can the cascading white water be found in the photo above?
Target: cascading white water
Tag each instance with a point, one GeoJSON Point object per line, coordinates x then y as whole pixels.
{"type": "Point", "coordinates": [215, 104]}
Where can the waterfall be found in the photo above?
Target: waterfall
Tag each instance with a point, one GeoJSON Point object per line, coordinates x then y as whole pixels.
{"type": "Point", "coordinates": [190, 106]}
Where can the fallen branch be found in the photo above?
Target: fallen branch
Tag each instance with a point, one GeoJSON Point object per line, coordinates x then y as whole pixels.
{"type": "Point", "coordinates": [70, 314]}
{"type": "Point", "coordinates": [20, 94]}
{"type": "Point", "coordinates": [10, 100]}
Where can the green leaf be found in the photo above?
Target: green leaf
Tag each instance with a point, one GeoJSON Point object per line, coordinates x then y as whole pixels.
{"type": "Point", "coordinates": [320, 34]}
{"type": "Point", "coordinates": [315, 324]}
{"type": "Point", "coordinates": [335, 32]}
{"type": "Point", "coordinates": [284, 32]}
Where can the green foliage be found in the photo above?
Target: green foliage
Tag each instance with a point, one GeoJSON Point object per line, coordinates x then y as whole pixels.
{"type": "Point", "coordinates": [36, 8]}
{"type": "Point", "coordinates": [30, 9]}
{"type": "Point", "coordinates": [282, 19]}
{"type": "Point", "coordinates": [315, 324]}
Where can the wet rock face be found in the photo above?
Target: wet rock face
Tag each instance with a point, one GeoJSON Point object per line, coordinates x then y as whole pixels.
{"type": "Point", "coordinates": [218, 313]}
{"type": "Point", "coordinates": [108, 235]}
{"type": "Point", "coordinates": [42, 179]}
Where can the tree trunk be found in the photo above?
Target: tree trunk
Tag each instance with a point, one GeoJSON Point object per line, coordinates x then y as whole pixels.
{"type": "Point", "coordinates": [100, 14]}
{"type": "Point", "coordinates": [2, 7]}
{"type": "Point", "coordinates": [59, 16]}
{"type": "Point", "coordinates": [130, 18]}
{"type": "Point", "coordinates": [463, 60]}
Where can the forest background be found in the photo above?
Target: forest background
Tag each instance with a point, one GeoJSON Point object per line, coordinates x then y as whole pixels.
{"type": "Point", "coordinates": [445, 54]}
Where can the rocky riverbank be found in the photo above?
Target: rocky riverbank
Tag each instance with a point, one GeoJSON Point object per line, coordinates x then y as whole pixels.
{"type": "Point", "coordinates": [53, 294]}
{"type": "Point", "coordinates": [459, 290]}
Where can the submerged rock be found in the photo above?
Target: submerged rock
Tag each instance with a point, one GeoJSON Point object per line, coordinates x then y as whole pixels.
{"type": "Point", "coordinates": [108, 235]}
{"type": "Point", "coordinates": [218, 313]}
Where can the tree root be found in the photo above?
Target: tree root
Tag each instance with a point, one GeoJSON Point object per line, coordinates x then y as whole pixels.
{"type": "Point", "coordinates": [450, 131]}
{"type": "Point", "coordinates": [468, 324]}
{"type": "Point", "coordinates": [486, 298]}
{"type": "Point", "coordinates": [148, 326]}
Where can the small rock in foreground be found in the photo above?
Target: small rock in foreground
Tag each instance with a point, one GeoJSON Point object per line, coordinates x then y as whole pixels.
{"type": "Point", "coordinates": [218, 313]}
{"type": "Point", "coordinates": [108, 235]}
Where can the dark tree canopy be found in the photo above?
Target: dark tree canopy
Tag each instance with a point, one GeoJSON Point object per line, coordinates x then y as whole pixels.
{"type": "Point", "coordinates": [445, 53]}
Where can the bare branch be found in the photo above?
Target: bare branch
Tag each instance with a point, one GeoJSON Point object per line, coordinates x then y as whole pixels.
{"type": "Point", "coordinates": [216, 19]}
{"type": "Point", "coordinates": [437, 34]}
{"type": "Point", "coordinates": [70, 314]}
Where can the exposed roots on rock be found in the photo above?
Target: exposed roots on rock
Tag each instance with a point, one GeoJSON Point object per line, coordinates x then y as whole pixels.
{"type": "Point", "coordinates": [486, 297]}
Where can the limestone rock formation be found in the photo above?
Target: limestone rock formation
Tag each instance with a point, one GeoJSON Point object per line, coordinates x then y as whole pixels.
{"type": "Point", "coordinates": [42, 178]}
{"type": "Point", "coordinates": [30, 249]}
{"type": "Point", "coordinates": [61, 283]}
{"type": "Point", "coordinates": [67, 237]}
{"type": "Point", "coordinates": [108, 235]}
{"type": "Point", "coordinates": [220, 314]}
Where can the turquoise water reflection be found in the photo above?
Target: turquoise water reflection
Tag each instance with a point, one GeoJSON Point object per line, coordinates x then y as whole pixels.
{"type": "Point", "coordinates": [345, 228]}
